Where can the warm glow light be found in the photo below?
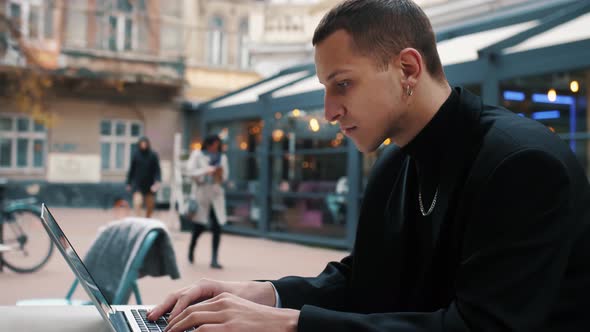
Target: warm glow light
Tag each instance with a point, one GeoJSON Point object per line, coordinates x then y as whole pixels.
{"type": "Point", "coordinates": [243, 146]}
{"type": "Point", "coordinates": [574, 86]}
{"type": "Point", "coordinates": [278, 115]}
{"type": "Point", "coordinates": [277, 135]}
{"type": "Point", "coordinates": [552, 95]}
{"type": "Point", "coordinates": [305, 164]}
{"type": "Point", "coordinates": [387, 141]}
{"type": "Point", "coordinates": [296, 112]}
{"type": "Point", "coordinates": [196, 146]}
{"type": "Point", "coordinates": [314, 125]}
{"type": "Point", "coordinates": [333, 123]}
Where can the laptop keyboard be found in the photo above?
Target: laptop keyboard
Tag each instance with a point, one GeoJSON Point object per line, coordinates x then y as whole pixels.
{"type": "Point", "coordinates": [145, 325]}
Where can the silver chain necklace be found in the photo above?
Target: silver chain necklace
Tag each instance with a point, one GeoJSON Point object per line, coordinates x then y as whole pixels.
{"type": "Point", "coordinates": [432, 205]}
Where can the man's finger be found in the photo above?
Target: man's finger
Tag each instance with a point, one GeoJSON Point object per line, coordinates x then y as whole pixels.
{"type": "Point", "coordinates": [186, 299]}
{"type": "Point", "coordinates": [206, 306]}
{"type": "Point", "coordinates": [161, 309]}
{"type": "Point", "coordinates": [195, 319]}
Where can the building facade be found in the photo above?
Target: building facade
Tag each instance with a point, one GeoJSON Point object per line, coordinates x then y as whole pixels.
{"type": "Point", "coordinates": [83, 82]}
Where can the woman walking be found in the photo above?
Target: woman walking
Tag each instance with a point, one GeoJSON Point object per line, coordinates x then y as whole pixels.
{"type": "Point", "coordinates": [209, 169]}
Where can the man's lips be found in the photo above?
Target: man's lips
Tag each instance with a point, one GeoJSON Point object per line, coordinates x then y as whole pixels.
{"type": "Point", "coordinates": [347, 130]}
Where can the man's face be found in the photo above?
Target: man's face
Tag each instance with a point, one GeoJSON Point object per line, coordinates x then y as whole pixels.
{"type": "Point", "coordinates": [365, 100]}
{"type": "Point", "coordinates": [143, 145]}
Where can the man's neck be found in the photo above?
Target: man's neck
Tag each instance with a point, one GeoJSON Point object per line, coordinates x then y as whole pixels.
{"type": "Point", "coordinates": [424, 104]}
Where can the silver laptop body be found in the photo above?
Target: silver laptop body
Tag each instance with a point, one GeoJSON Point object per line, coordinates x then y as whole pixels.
{"type": "Point", "coordinates": [120, 318]}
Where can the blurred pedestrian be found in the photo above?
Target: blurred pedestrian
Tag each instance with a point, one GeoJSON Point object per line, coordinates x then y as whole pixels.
{"type": "Point", "coordinates": [209, 170]}
{"type": "Point", "coordinates": [143, 177]}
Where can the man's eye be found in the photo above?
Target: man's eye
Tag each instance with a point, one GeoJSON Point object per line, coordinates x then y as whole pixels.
{"type": "Point", "coordinates": [343, 84]}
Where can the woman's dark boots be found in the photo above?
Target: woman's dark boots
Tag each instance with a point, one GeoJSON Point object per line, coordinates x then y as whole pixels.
{"type": "Point", "coordinates": [197, 230]}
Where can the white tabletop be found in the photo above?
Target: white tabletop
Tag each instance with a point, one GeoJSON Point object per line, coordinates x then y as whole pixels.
{"type": "Point", "coordinates": [52, 318]}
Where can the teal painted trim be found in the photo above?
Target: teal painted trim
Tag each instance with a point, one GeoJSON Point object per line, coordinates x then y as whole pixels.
{"type": "Point", "coordinates": [466, 73]}
{"type": "Point", "coordinates": [513, 15]}
{"type": "Point", "coordinates": [233, 112]}
{"type": "Point", "coordinates": [269, 93]}
{"type": "Point", "coordinates": [264, 199]}
{"type": "Point", "coordinates": [291, 70]}
{"type": "Point", "coordinates": [72, 290]}
{"type": "Point", "coordinates": [570, 56]}
{"type": "Point", "coordinates": [307, 100]}
{"type": "Point", "coordinates": [298, 68]}
{"type": "Point", "coordinates": [560, 17]}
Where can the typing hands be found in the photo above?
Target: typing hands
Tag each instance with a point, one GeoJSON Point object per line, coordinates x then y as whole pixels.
{"type": "Point", "coordinates": [218, 306]}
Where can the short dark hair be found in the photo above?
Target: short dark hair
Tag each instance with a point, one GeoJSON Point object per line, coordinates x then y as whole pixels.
{"type": "Point", "coordinates": [382, 28]}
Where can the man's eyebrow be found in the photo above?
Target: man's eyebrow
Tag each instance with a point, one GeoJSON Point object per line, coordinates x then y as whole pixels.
{"type": "Point", "coordinates": [336, 72]}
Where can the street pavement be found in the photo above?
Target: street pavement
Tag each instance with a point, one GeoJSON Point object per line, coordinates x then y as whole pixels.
{"type": "Point", "coordinates": [243, 258]}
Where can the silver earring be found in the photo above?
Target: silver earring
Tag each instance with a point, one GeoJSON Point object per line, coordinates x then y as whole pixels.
{"type": "Point", "coordinates": [409, 91]}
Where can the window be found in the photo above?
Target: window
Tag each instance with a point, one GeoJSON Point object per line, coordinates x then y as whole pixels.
{"type": "Point", "coordinates": [243, 53]}
{"type": "Point", "coordinates": [171, 41]}
{"type": "Point", "coordinates": [27, 17]}
{"type": "Point", "coordinates": [76, 27]}
{"type": "Point", "coordinates": [16, 15]}
{"type": "Point", "coordinates": [117, 143]}
{"type": "Point", "coordinates": [34, 22]}
{"type": "Point", "coordinates": [22, 143]}
{"type": "Point", "coordinates": [118, 27]}
{"type": "Point", "coordinates": [48, 18]}
{"type": "Point", "coordinates": [308, 165]}
{"type": "Point", "coordinates": [216, 38]}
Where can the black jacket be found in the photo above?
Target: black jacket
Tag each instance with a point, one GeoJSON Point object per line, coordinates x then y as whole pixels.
{"type": "Point", "coordinates": [511, 240]}
{"type": "Point", "coordinates": [144, 171]}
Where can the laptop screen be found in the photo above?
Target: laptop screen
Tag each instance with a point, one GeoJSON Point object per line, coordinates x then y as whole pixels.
{"type": "Point", "coordinates": [70, 255]}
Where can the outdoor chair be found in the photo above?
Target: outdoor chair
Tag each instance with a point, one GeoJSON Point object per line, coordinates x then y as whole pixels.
{"type": "Point", "coordinates": [127, 283]}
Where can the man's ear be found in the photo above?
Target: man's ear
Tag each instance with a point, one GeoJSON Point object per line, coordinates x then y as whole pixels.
{"type": "Point", "coordinates": [411, 65]}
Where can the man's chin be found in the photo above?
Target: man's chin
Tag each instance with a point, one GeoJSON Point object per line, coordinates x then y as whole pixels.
{"type": "Point", "coordinates": [366, 148]}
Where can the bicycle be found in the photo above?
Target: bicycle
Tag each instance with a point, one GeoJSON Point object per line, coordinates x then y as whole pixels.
{"type": "Point", "coordinates": [25, 246]}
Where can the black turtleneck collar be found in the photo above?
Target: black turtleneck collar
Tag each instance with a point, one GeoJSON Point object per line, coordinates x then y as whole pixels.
{"type": "Point", "coordinates": [428, 147]}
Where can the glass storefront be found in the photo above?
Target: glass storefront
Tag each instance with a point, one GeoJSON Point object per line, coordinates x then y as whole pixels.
{"type": "Point", "coordinates": [308, 165]}
{"type": "Point", "coordinates": [557, 100]}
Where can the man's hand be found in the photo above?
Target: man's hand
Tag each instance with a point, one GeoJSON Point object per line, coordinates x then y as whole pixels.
{"type": "Point", "coordinates": [258, 292]}
{"type": "Point", "coordinates": [228, 312]}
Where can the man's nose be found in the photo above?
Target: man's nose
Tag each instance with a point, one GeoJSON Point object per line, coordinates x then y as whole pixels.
{"type": "Point", "coordinates": [333, 111]}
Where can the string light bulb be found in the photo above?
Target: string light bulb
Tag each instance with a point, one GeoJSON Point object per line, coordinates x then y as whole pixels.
{"type": "Point", "coordinates": [552, 95]}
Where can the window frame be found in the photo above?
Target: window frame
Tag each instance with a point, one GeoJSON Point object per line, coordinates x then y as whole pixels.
{"type": "Point", "coordinates": [25, 16]}
{"type": "Point", "coordinates": [216, 41]}
{"type": "Point", "coordinates": [113, 139]}
{"type": "Point", "coordinates": [31, 136]}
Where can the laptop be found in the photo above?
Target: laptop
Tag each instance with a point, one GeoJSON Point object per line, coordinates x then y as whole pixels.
{"type": "Point", "coordinates": [126, 318]}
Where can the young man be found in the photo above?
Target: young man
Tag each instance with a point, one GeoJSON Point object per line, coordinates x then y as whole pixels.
{"type": "Point", "coordinates": [143, 177]}
{"type": "Point", "coordinates": [478, 219]}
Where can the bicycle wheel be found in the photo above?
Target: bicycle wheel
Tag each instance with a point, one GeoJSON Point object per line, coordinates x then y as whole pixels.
{"type": "Point", "coordinates": [29, 243]}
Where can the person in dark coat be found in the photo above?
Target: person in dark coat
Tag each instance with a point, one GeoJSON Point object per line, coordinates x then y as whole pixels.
{"type": "Point", "coordinates": [476, 220]}
{"type": "Point", "coordinates": [143, 177]}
